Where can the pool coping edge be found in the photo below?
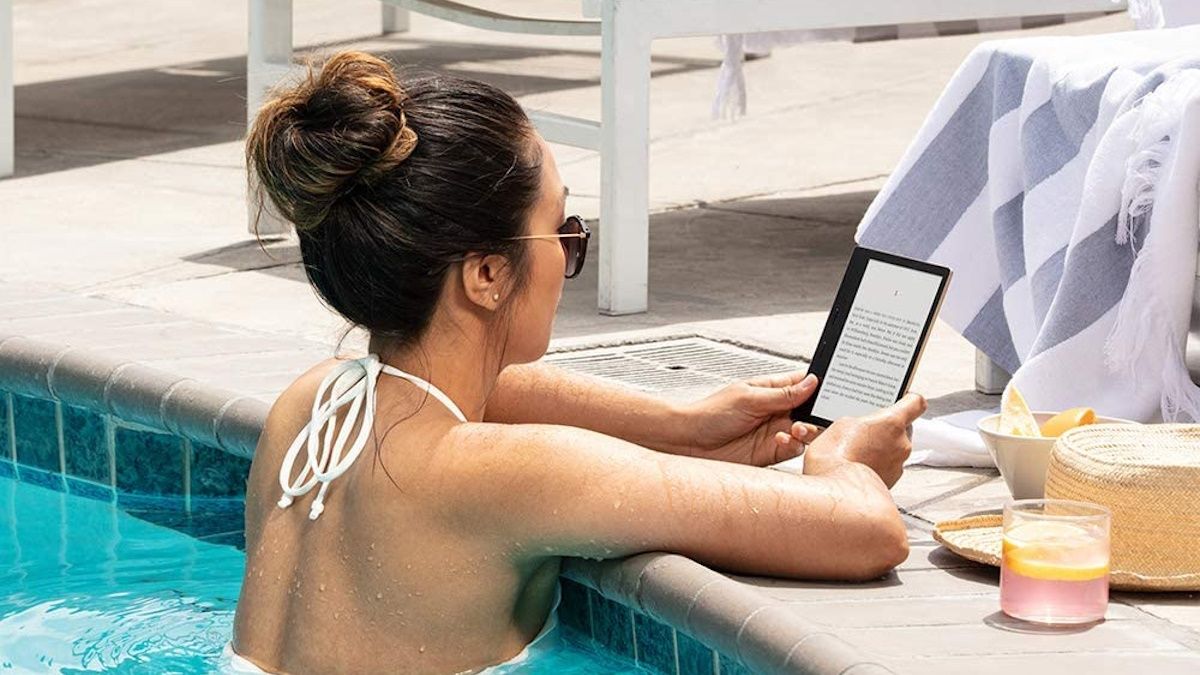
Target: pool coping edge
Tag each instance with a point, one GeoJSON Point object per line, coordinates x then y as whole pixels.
{"type": "Point", "coordinates": [132, 391]}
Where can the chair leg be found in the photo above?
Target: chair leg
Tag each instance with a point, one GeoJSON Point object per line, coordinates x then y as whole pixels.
{"type": "Point", "coordinates": [8, 138]}
{"type": "Point", "coordinates": [624, 162]}
{"type": "Point", "coordinates": [989, 378]}
{"type": "Point", "coordinates": [269, 59]}
{"type": "Point", "coordinates": [395, 19]}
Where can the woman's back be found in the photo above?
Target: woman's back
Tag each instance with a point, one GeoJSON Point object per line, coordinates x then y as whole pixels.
{"type": "Point", "coordinates": [388, 576]}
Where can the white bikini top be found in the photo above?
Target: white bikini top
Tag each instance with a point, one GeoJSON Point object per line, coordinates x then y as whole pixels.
{"type": "Point", "coordinates": [353, 384]}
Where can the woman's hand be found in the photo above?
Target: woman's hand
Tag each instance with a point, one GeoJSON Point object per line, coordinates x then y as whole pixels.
{"type": "Point", "coordinates": [749, 422]}
{"type": "Point", "coordinates": [881, 440]}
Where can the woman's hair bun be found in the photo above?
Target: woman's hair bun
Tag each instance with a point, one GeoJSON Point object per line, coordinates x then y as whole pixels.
{"type": "Point", "coordinates": [381, 218]}
{"type": "Point", "coordinates": [340, 128]}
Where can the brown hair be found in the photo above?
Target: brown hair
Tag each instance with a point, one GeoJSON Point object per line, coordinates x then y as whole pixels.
{"type": "Point", "coordinates": [390, 183]}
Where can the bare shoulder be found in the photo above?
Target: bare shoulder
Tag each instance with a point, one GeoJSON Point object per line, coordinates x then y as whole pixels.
{"type": "Point", "coordinates": [292, 409]}
{"type": "Point", "coordinates": [288, 415]}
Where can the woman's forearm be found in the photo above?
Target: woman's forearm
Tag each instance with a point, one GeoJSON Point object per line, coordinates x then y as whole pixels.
{"type": "Point", "coordinates": [539, 393]}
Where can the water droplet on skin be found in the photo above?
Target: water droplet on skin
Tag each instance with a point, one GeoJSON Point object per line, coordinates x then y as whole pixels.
{"type": "Point", "coordinates": [322, 588]}
{"type": "Point", "coordinates": [422, 650]}
{"type": "Point", "coordinates": [379, 596]}
{"type": "Point", "coordinates": [370, 558]}
{"type": "Point", "coordinates": [372, 546]}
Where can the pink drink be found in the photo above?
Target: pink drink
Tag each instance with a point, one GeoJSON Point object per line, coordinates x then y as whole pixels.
{"type": "Point", "coordinates": [1051, 601]}
{"type": "Point", "coordinates": [1055, 563]}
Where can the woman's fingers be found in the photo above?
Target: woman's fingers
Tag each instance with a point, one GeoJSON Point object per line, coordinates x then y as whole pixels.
{"type": "Point", "coordinates": [780, 393]}
{"type": "Point", "coordinates": [777, 380]}
{"type": "Point", "coordinates": [787, 447]}
{"type": "Point", "coordinates": [807, 432]}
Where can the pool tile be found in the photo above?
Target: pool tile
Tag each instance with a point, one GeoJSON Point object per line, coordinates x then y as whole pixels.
{"type": "Point", "coordinates": [85, 488]}
{"type": "Point", "coordinates": [574, 610]}
{"type": "Point", "coordinates": [207, 524]}
{"type": "Point", "coordinates": [7, 469]}
{"type": "Point", "coordinates": [234, 539]}
{"type": "Point", "coordinates": [694, 657]}
{"type": "Point", "coordinates": [172, 514]}
{"type": "Point", "coordinates": [655, 644]}
{"type": "Point", "coordinates": [85, 444]}
{"type": "Point", "coordinates": [148, 462]}
{"type": "Point", "coordinates": [612, 625]}
{"type": "Point", "coordinates": [6, 443]}
{"type": "Point", "coordinates": [201, 505]}
{"type": "Point", "coordinates": [132, 503]}
{"type": "Point", "coordinates": [36, 476]}
{"type": "Point", "coordinates": [36, 427]}
{"type": "Point", "coordinates": [216, 473]}
{"type": "Point", "coordinates": [730, 666]}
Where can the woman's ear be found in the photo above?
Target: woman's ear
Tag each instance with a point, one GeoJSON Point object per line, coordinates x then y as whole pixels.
{"type": "Point", "coordinates": [485, 279]}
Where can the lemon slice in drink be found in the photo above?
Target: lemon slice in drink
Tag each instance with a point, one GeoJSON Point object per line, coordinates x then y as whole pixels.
{"type": "Point", "coordinates": [1015, 417]}
{"type": "Point", "coordinates": [1052, 551]}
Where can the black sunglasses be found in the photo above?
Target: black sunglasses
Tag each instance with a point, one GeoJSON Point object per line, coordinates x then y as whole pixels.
{"type": "Point", "coordinates": [573, 235]}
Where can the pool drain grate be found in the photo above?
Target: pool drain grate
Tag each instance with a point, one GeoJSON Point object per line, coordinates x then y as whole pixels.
{"type": "Point", "coordinates": [684, 366]}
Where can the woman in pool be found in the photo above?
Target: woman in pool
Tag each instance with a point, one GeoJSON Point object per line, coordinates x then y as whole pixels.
{"type": "Point", "coordinates": [431, 213]}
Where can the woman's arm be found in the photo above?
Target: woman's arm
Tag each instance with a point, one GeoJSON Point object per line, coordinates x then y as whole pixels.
{"type": "Point", "coordinates": [539, 393]}
{"type": "Point", "coordinates": [745, 422]}
{"type": "Point", "coordinates": [542, 491]}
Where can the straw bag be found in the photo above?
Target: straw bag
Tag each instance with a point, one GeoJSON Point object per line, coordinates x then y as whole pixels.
{"type": "Point", "coordinates": [1147, 475]}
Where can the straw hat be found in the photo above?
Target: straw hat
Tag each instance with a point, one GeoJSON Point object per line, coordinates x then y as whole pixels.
{"type": "Point", "coordinates": [1148, 476]}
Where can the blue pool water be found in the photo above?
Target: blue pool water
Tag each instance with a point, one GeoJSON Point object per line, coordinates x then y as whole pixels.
{"type": "Point", "coordinates": [86, 587]}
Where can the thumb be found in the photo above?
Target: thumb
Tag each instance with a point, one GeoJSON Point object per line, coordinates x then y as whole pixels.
{"type": "Point", "coordinates": [909, 408]}
{"type": "Point", "coordinates": [784, 396]}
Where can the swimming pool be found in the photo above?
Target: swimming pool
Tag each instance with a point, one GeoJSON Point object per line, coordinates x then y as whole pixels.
{"type": "Point", "coordinates": [86, 585]}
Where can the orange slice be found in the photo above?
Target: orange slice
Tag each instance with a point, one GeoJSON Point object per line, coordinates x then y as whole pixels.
{"type": "Point", "coordinates": [1015, 417]}
{"type": "Point", "coordinates": [1052, 551]}
{"type": "Point", "coordinates": [1068, 419]}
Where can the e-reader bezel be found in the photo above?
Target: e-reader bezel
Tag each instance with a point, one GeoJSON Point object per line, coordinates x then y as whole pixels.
{"type": "Point", "coordinates": [841, 309]}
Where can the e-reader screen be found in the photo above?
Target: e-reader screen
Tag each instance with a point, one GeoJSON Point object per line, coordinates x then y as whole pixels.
{"type": "Point", "coordinates": [874, 335]}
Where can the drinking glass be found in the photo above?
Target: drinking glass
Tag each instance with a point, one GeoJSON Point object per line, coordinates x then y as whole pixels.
{"type": "Point", "coordinates": [1054, 566]}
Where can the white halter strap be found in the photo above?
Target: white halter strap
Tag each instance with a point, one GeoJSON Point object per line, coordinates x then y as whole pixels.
{"type": "Point", "coordinates": [350, 383]}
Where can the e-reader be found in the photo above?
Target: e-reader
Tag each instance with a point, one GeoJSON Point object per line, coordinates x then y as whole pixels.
{"type": "Point", "coordinates": [874, 336]}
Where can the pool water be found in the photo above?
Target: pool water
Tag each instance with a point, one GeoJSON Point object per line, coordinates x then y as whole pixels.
{"type": "Point", "coordinates": [87, 587]}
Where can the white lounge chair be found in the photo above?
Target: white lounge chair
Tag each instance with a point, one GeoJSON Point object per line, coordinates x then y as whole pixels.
{"type": "Point", "coordinates": [627, 27]}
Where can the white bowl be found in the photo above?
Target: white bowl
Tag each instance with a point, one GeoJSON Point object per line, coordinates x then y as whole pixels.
{"type": "Point", "coordinates": [1022, 460]}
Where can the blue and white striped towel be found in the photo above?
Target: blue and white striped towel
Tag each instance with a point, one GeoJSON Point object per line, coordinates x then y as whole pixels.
{"type": "Point", "coordinates": [1058, 177]}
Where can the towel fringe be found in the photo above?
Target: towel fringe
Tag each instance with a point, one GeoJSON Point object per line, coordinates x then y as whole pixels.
{"type": "Point", "coordinates": [1147, 14]}
{"type": "Point", "coordinates": [1142, 171]}
{"type": "Point", "coordinates": [1145, 322]}
{"type": "Point", "coordinates": [1180, 396]}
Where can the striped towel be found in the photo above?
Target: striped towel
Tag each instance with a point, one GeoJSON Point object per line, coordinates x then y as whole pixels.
{"type": "Point", "coordinates": [1058, 177]}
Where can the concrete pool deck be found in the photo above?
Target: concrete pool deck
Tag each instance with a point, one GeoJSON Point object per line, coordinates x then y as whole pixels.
{"type": "Point", "coordinates": [124, 236]}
